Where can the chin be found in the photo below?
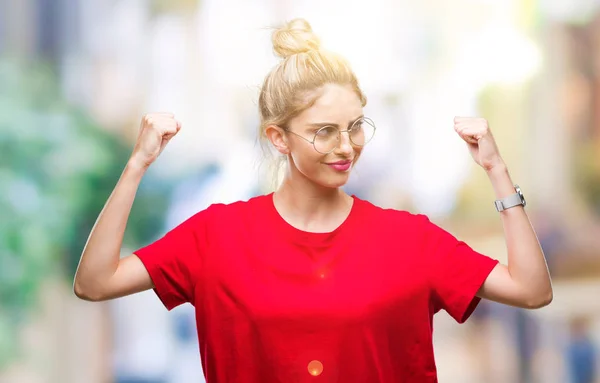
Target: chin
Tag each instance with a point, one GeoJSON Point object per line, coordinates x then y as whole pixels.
{"type": "Point", "coordinates": [334, 181]}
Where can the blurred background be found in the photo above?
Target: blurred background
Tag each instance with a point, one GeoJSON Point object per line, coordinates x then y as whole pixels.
{"type": "Point", "coordinates": [76, 77]}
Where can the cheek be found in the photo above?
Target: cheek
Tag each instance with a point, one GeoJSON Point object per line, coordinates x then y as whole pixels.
{"type": "Point", "coordinates": [357, 153]}
{"type": "Point", "coordinates": [307, 159]}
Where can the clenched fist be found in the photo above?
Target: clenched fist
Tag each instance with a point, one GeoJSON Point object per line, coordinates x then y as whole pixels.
{"type": "Point", "coordinates": [478, 136]}
{"type": "Point", "coordinates": [156, 130]}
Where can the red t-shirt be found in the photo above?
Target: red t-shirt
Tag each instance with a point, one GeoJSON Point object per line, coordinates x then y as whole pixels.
{"type": "Point", "coordinates": [277, 304]}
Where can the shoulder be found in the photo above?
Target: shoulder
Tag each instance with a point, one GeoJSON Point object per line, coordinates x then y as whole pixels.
{"type": "Point", "coordinates": [386, 216]}
{"type": "Point", "coordinates": [250, 205]}
{"type": "Point", "coordinates": [393, 224]}
{"type": "Point", "coordinates": [228, 212]}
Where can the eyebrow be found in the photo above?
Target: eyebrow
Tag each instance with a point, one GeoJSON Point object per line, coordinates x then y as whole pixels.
{"type": "Point", "coordinates": [321, 124]}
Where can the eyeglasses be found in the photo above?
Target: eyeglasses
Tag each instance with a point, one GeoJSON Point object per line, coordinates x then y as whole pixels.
{"type": "Point", "coordinates": [328, 137]}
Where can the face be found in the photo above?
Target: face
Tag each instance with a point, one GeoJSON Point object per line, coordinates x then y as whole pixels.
{"type": "Point", "coordinates": [337, 107]}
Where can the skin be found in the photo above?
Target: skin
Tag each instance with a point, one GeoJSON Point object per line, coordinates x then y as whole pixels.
{"type": "Point", "coordinates": [525, 282]}
{"type": "Point", "coordinates": [311, 199]}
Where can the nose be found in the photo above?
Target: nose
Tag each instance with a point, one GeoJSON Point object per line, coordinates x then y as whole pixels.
{"type": "Point", "coordinates": [344, 144]}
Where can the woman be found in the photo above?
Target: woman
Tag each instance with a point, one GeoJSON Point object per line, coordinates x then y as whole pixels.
{"type": "Point", "coordinates": [309, 283]}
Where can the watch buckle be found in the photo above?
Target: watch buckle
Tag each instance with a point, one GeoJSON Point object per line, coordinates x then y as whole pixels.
{"type": "Point", "coordinates": [499, 205]}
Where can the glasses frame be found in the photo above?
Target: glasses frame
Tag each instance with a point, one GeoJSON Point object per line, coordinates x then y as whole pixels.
{"type": "Point", "coordinates": [339, 136]}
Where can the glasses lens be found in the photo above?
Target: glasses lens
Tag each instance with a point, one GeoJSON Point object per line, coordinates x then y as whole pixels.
{"type": "Point", "coordinates": [362, 131]}
{"type": "Point", "coordinates": [326, 139]}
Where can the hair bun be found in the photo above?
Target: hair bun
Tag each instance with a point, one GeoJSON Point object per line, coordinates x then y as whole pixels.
{"type": "Point", "coordinates": [294, 37]}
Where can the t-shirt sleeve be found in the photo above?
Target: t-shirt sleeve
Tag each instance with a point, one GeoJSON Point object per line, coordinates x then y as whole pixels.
{"type": "Point", "coordinates": [174, 261]}
{"type": "Point", "coordinates": [456, 272]}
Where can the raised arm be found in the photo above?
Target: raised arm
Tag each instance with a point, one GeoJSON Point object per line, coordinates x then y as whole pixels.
{"type": "Point", "coordinates": [101, 273]}
{"type": "Point", "coordinates": [525, 282]}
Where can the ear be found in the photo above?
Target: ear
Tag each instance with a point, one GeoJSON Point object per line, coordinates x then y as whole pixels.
{"type": "Point", "coordinates": [276, 135]}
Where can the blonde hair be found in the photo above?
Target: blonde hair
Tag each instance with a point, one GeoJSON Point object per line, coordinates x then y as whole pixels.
{"type": "Point", "coordinates": [289, 88]}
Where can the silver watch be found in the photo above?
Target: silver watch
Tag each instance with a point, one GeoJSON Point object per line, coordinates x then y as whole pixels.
{"type": "Point", "coordinates": [511, 201]}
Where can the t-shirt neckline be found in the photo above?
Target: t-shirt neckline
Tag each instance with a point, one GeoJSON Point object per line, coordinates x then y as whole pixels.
{"type": "Point", "coordinates": [297, 235]}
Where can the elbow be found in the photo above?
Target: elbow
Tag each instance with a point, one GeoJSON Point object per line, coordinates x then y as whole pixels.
{"type": "Point", "coordinates": [86, 294]}
{"type": "Point", "coordinates": [541, 301]}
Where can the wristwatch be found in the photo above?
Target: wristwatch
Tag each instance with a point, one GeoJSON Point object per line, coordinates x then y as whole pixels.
{"type": "Point", "coordinates": [511, 201]}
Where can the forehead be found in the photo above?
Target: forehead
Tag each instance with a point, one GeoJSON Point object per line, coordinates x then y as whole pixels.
{"type": "Point", "coordinates": [335, 103]}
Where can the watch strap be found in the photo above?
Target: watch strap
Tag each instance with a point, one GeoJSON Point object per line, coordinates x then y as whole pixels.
{"type": "Point", "coordinates": [508, 202]}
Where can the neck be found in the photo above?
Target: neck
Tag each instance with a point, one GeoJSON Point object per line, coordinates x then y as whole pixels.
{"type": "Point", "coordinates": [309, 206]}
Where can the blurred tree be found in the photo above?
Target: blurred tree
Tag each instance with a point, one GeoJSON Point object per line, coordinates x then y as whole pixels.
{"type": "Point", "coordinates": [57, 169]}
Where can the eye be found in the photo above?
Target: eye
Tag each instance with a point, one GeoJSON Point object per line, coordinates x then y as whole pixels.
{"type": "Point", "coordinates": [357, 128]}
{"type": "Point", "coordinates": [326, 132]}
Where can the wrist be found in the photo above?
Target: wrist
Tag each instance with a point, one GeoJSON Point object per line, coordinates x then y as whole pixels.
{"type": "Point", "coordinates": [501, 181]}
{"type": "Point", "coordinates": [136, 166]}
{"type": "Point", "coordinates": [498, 168]}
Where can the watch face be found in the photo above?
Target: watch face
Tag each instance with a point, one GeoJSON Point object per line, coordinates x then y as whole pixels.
{"type": "Point", "coordinates": [520, 193]}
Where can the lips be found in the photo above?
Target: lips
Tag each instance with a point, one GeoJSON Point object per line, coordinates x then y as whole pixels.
{"type": "Point", "coordinates": [340, 166]}
{"type": "Point", "coordinates": [343, 162]}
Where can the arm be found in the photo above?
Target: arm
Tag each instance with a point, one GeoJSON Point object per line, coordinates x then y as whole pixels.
{"type": "Point", "coordinates": [101, 273]}
{"type": "Point", "coordinates": [525, 282]}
